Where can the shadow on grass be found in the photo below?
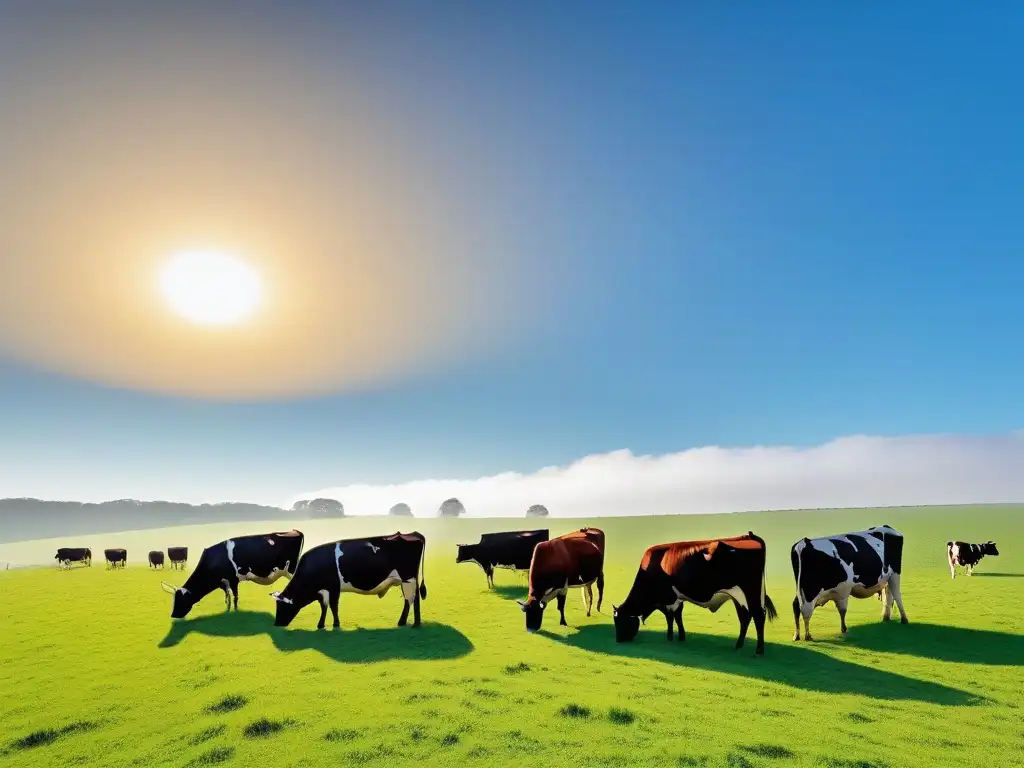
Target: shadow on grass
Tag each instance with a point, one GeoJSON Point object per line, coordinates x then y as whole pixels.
{"type": "Point", "coordinates": [511, 591]}
{"type": "Point", "coordinates": [795, 665]}
{"type": "Point", "coordinates": [996, 575]}
{"type": "Point", "coordinates": [429, 641]}
{"type": "Point", "coordinates": [935, 641]}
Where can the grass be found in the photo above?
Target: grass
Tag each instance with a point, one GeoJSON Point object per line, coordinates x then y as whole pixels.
{"type": "Point", "coordinates": [94, 672]}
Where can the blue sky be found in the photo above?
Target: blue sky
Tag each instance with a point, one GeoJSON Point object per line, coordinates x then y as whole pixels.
{"type": "Point", "coordinates": [770, 226]}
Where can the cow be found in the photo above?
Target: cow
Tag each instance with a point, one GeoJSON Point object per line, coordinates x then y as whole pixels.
{"type": "Point", "coordinates": [67, 555]}
{"type": "Point", "coordinates": [178, 557]}
{"type": "Point", "coordinates": [858, 564]}
{"type": "Point", "coordinates": [116, 558]}
{"type": "Point", "coordinates": [368, 566]}
{"type": "Point", "coordinates": [261, 558]}
{"type": "Point", "coordinates": [707, 573]}
{"type": "Point", "coordinates": [968, 555]}
{"type": "Point", "coordinates": [156, 558]}
{"type": "Point", "coordinates": [574, 559]}
{"type": "Point", "coordinates": [512, 550]}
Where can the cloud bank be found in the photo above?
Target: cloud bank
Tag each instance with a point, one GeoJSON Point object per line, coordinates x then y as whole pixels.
{"type": "Point", "coordinates": [855, 471]}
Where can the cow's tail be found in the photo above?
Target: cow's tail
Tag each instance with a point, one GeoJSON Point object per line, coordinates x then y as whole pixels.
{"type": "Point", "coordinates": [423, 570]}
{"type": "Point", "coordinates": [769, 609]}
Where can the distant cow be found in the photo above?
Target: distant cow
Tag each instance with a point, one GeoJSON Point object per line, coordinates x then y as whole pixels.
{"type": "Point", "coordinates": [575, 559]}
{"type": "Point", "coordinates": [156, 559]}
{"type": "Point", "coordinates": [67, 555]}
{"type": "Point", "coordinates": [859, 564]}
{"type": "Point", "coordinates": [706, 573]}
{"type": "Point", "coordinates": [968, 555]}
{"type": "Point", "coordinates": [369, 566]}
{"type": "Point", "coordinates": [116, 558]}
{"type": "Point", "coordinates": [512, 550]}
{"type": "Point", "coordinates": [178, 557]}
{"type": "Point", "coordinates": [263, 559]}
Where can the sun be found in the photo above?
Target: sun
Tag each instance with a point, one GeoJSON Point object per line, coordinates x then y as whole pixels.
{"type": "Point", "coordinates": [210, 288]}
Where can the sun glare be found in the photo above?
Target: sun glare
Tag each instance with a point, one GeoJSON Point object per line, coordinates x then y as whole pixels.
{"type": "Point", "coordinates": [210, 288]}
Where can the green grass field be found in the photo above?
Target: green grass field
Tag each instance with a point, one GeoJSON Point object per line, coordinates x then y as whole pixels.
{"type": "Point", "coordinates": [94, 672]}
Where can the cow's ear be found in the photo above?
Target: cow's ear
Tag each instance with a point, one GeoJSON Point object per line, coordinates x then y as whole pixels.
{"type": "Point", "coordinates": [167, 588]}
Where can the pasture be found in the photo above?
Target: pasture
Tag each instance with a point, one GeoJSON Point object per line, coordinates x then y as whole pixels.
{"type": "Point", "coordinates": [94, 672]}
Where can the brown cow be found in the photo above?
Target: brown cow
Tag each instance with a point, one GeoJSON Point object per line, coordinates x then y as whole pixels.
{"type": "Point", "coordinates": [575, 559]}
{"type": "Point", "coordinates": [707, 573]}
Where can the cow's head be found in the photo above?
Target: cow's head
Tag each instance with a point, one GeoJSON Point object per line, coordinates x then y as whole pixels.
{"type": "Point", "coordinates": [183, 600]}
{"type": "Point", "coordinates": [534, 610]}
{"type": "Point", "coordinates": [287, 609]}
{"type": "Point", "coordinates": [989, 548]}
{"type": "Point", "coordinates": [626, 626]}
{"type": "Point", "coordinates": [466, 553]}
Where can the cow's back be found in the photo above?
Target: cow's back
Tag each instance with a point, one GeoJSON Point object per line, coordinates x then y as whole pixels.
{"type": "Point", "coordinates": [593, 535]}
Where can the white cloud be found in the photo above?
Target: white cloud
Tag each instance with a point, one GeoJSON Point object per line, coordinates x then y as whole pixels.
{"type": "Point", "coordinates": [855, 471]}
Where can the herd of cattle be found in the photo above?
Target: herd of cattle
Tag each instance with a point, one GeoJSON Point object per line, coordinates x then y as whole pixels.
{"type": "Point", "coordinates": [707, 573]}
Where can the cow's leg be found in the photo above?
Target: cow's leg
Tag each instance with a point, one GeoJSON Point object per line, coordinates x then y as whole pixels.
{"type": "Point", "coordinates": [887, 598]}
{"type": "Point", "coordinates": [679, 623]}
{"type": "Point", "coordinates": [323, 610]}
{"type": "Point", "coordinates": [409, 592]}
{"type": "Point", "coordinates": [895, 593]}
{"type": "Point", "coordinates": [588, 597]}
{"type": "Point", "coordinates": [600, 590]}
{"type": "Point", "coordinates": [970, 569]}
{"type": "Point", "coordinates": [489, 572]}
{"type": "Point", "coordinates": [744, 616]}
{"type": "Point", "coordinates": [796, 618]}
{"type": "Point", "coordinates": [670, 618]}
{"type": "Point", "coordinates": [234, 591]}
{"type": "Point", "coordinates": [416, 610]}
{"type": "Point", "coordinates": [759, 616]}
{"type": "Point", "coordinates": [952, 565]}
{"type": "Point", "coordinates": [333, 602]}
{"type": "Point", "coordinates": [807, 610]}
{"type": "Point", "coordinates": [841, 606]}
{"type": "Point", "coordinates": [561, 611]}
{"type": "Point", "coordinates": [226, 586]}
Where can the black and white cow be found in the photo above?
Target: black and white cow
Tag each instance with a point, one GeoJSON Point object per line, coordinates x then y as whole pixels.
{"type": "Point", "coordinates": [369, 566]}
{"type": "Point", "coordinates": [156, 559]}
{"type": "Point", "coordinates": [263, 559]}
{"type": "Point", "coordinates": [511, 550]}
{"type": "Point", "coordinates": [967, 555]}
{"type": "Point", "coordinates": [178, 557]}
{"type": "Point", "coordinates": [116, 558]}
{"type": "Point", "coordinates": [67, 555]}
{"type": "Point", "coordinates": [835, 568]}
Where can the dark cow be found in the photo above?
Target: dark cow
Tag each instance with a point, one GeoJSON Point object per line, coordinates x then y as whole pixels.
{"type": "Point", "coordinates": [859, 564]}
{"type": "Point", "coordinates": [263, 559]}
{"type": "Point", "coordinates": [116, 558]}
{"type": "Point", "coordinates": [706, 573]}
{"type": "Point", "coordinates": [512, 550]}
{"type": "Point", "coordinates": [968, 555]}
{"type": "Point", "coordinates": [178, 557]}
{"type": "Point", "coordinates": [67, 555]}
{"type": "Point", "coordinates": [156, 558]}
{"type": "Point", "coordinates": [369, 566]}
{"type": "Point", "coordinates": [575, 559]}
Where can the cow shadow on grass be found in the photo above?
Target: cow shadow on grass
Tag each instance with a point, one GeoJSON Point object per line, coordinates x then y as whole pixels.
{"type": "Point", "coordinates": [997, 575]}
{"type": "Point", "coordinates": [430, 641]}
{"type": "Point", "coordinates": [794, 665]}
{"type": "Point", "coordinates": [935, 641]}
{"type": "Point", "coordinates": [511, 591]}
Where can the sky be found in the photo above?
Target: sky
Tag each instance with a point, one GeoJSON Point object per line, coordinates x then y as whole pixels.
{"type": "Point", "coordinates": [499, 238]}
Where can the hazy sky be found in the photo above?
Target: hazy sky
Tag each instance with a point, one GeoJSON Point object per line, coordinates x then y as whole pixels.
{"type": "Point", "coordinates": [497, 238]}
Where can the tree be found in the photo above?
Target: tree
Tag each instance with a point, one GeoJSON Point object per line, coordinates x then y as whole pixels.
{"type": "Point", "coordinates": [401, 509]}
{"type": "Point", "coordinates": [320, 507]}
{"type": "Point", "coordinates": [537, 510]}
{"type": "Point", "coordinates": [451, 508]}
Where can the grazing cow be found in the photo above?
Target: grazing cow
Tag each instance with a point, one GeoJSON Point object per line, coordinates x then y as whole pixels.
{"type": "Point", "coordinates": [575, 559]}
{"type": "Point", "coordinates": [369, 566]}
{"type": "Point", "coordinates": [859, 564]}
{"type": "Point", "coordinates": [67, 555]}
{"type": "Point", "coordinates": [116, 558]}
{"type": "Point", "coordinates": [263, 559]}
{"type": "Point", "coordinates": [156, 558]}
{"type": "Point", "coordinates": [968, 555]}
{"type": "Point", "coordinates": [706, 573]}
{"type": "Point", "coordinates": [178, 557]}
{"type": "Point", "coordinates": [512, 550]}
